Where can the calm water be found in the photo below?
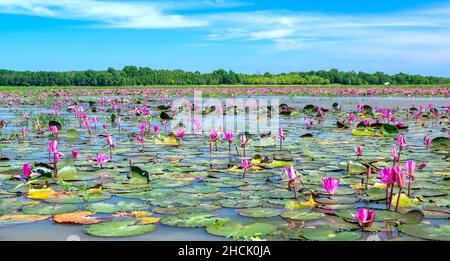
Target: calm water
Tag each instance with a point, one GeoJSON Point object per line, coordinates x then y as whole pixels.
{"type": "Point", "coordinates": [47, 230]}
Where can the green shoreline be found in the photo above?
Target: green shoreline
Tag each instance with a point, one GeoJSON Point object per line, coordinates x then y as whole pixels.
{"type": "Point", "coordinates": [330, 86]}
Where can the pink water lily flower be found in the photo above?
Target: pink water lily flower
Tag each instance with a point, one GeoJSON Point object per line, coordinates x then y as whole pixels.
{"type": "Point", "coordinates": [26, 171]}
{"type": "Point", "coordinates": [360, 106]}
{"type": "Point", "coordinates": [58, 156]}
{"type": "Point", "coordinates": [292, 175]}
{"type": "Point", "coordinates": [330, 184]}
{"type": "Point", "coordinates": [244, 140]}
{"type": "Point", "coordinates": [53, 129]}
{"type": "Point", "coordinates": [399, 176]}
{"type": "Point", "coordinates": [427, 141]}
{"type": "Point", "coordinates": [386, 176]}
{"type": "Point", "coordinates": [310, 124]}
{"type": "Point", "coordinates": [365, 217]}
{"type": "Point", "coordinates": [394, 154]}
{"type": "Point", "coordinates": [180, 133]}
{"type": "Point", "coordinates": [101, 159]}
{"type": "Point", "coordinates": [86, 124]}
{"type": "Point", "coordinates": [156, 129]}
{"type": "Point", "coordinates": [142, 128]}
{"type": "Point", "coordinates": [351, 117]}
{"type": "Point", "coordinates": [423, 165]}
{"type": "Point", "coordinates": [24, 131]}
{"type": "Point", "coordinates": [75, 153]}
{"type": "Point", "coordinates": [401, 141]}
{"type": "Point", "coordinates": [359, 151]}
{"type": "Point", "coordinates": [245, 165]}
{"type": "Point", "coordinates": [290, 172]}
{"type": "Point", "coordinates": [281, 133]}
{"type": "Point", "coordinates": [109, 140]}
{"type": "Point", "coordinates": [229, 136]}
{"type": "Point", "coordinates": [213, 135]}
{"type": "Point", "coordinates": [366, 122]}
{"type": "Point", "coordinates": [410, 167]}
{"type": "Point", "coordinates": [53, 146]}
{"type": "Point", "coordinates": [400, 181]}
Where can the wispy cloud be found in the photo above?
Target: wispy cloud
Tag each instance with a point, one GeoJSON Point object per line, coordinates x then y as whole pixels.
{"type": "Point", "coordinates": [118, 14]}
{"type": "Point", "coordinates": [411, 35]}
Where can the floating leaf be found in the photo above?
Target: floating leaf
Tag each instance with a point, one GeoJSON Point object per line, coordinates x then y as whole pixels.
{"type": "Point", "coordinates": [72, 134]}
{"type": "Point", "coordinates": [139, 175]}
{"type": "Point", "coordinates": [302, 215]}
{"type": "Point", "coordinates": [43, 193]}
{"type": "Point", "coordinates": [166, 140]}
{"type": "Point", "coordinates": [67, 173]}
{"type": "Point", "coordinates": [440, 143]}
{"type": "Point", "coordinates": [389, 130]}
{"type": "Point", "coordinates": [318, 234]}
{"type": "Point", "coordinates": [439, 233]}
{"type": "Point", "coordinates": [404, 201]}
{"type": "Point", "coordinates": [49, 209]}
{"type": "Point", "coordinates": [112, 208]}
{"type": "Point", "coordinates": [259, 212]}
{"type": "Point", "coordinates": [192, 219]}
{"type": "Point", "coordinates": [119, 229]}
{"type": "Point", "coordinates": [363, 132]}
{"type": "Point", "coordinates": [14, 219]}
{"type": "Point", "coordinates": [411, 217]}
{"type": "Point", "coordinates": [236, 229]}
{"type": "Point", "coordinates": [199, 189]}
{"type": "Point", "coordinates": [76, 218]}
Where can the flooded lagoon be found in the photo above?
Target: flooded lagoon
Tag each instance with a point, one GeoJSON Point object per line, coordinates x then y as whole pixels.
{"type": "Point", "coordinates": [190, 181]}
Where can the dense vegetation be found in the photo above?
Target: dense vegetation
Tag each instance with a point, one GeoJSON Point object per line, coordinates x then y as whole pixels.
{"type": "Point", "coordinates": [132, 75]}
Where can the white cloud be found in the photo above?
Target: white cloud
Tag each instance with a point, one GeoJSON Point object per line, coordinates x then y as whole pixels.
{"type": "Point", "coordinates": [271, 34]}
{"type": "Point", "coordinates": [107, 13]}
{"type": "Point", "coordinates": [410, 35]}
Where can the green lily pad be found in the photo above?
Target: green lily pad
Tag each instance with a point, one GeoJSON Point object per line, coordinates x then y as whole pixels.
{"type": "Point", "coordinates": [440, 232]}
{"type": "Point", "coordinates": [241, 203]}
{"type": "Point", "coordinates": [235, 229]}
{"type": "Point", "coordinates": [199, 189]}
{"type": "Point", "coordinates": [121, 206]}
{"type": "Point", "coordinates": [204, 207]}
{"type": "Point", "coordinates": [119, 229]}
{"type": "Point", "coordinates": [259, 212]}
{"type": "Point", "coordinates": [411, 217]}
{"type": "Point", "coordinates": [440, 143]}
{"type": "Point", "coordinates": [329, 235]}
{"type": "Point", "coordinates": [49, 209]}
{"type": "Point", "coordinates": [191, 219]}
{"type": "Point", "coordinates": [389, 130]}
{"type": "Point", "coordinates": [67, 173]}
{"type": "Point", "coordinates": [72, 134]}
{"type": "Point", "coordinates": [80, 199]}
{"type": "Point", "coordinates": [302, 215]}
{"type": "Point", "coordinates": [363, 132]}
{"type": "Point", "coordinates": [353, 167]}
{"type": "Point", "coordinates": [139, 175]}
{"type": "Point", "coordinates": [8, 220]}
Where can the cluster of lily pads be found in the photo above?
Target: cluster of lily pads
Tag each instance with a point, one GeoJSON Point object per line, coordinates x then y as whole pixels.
{"type": "Point", "coordinates": [112, 166]}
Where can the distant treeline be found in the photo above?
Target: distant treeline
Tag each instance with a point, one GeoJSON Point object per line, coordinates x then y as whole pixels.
{"type": "Point", "coordinates": [132, 75]}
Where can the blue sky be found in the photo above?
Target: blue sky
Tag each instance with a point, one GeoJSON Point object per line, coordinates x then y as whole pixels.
{"type": "Point", "coordinates": [245, 36]}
